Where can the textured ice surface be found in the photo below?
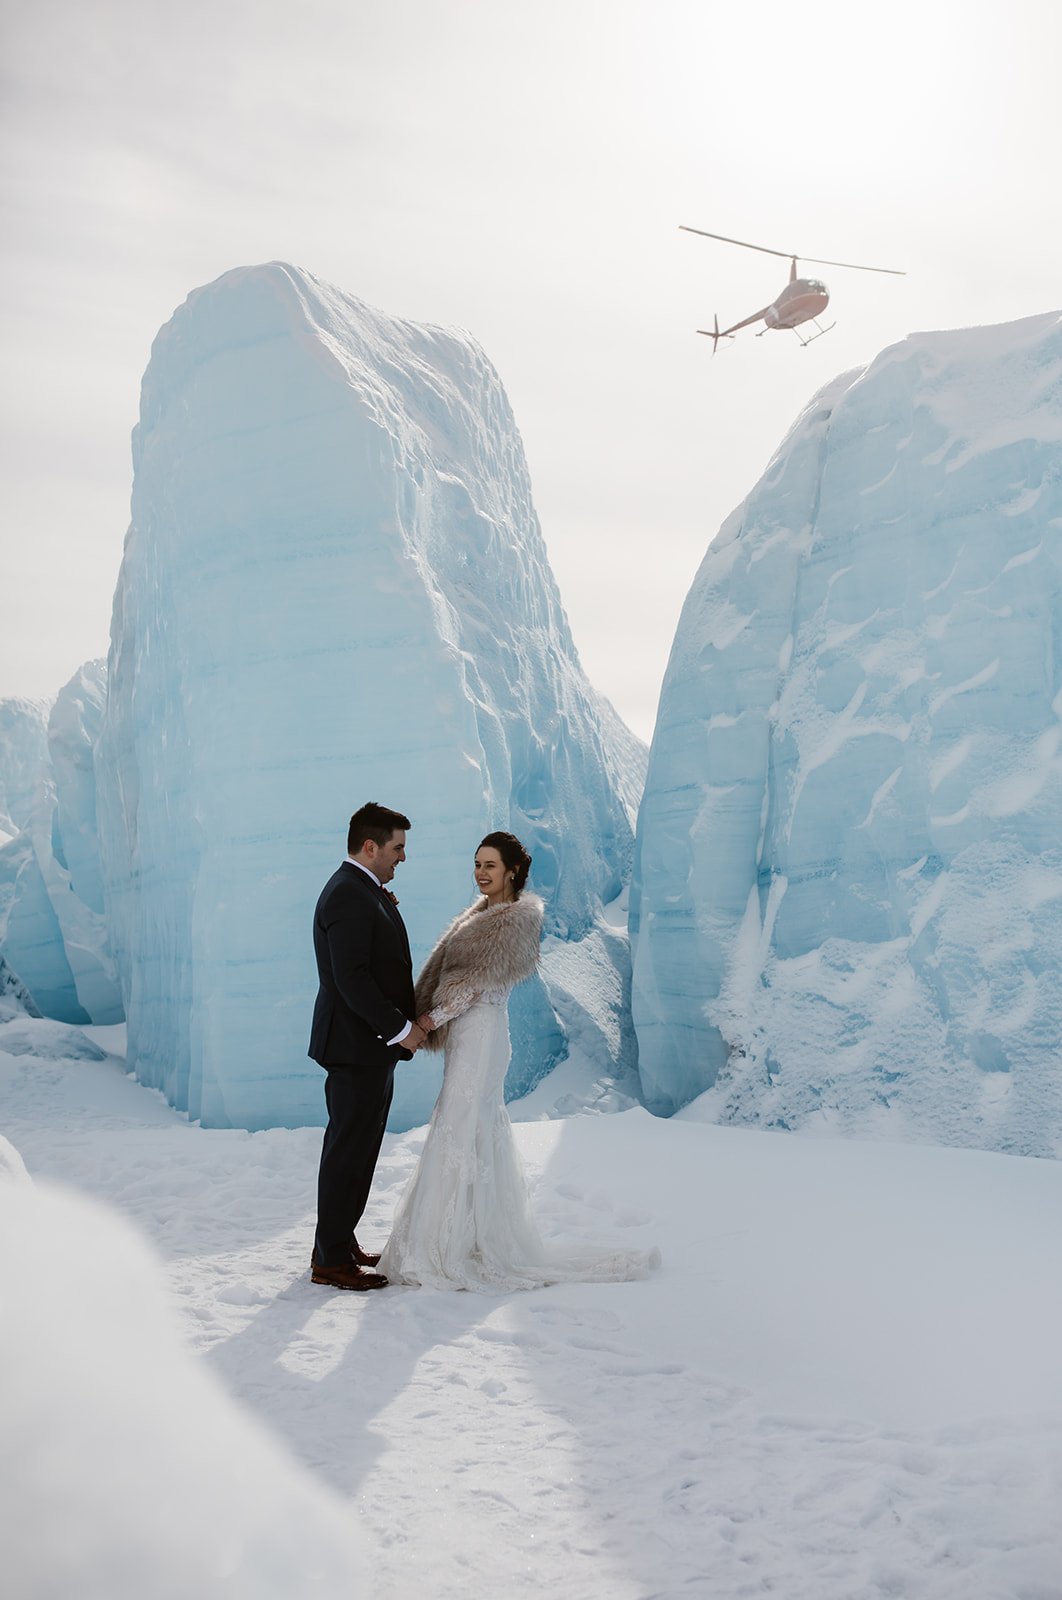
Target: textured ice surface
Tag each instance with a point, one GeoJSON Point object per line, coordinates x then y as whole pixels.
{"type": "Point", "coordinates": [53, 931]}
{"type": "Point", "coordinates": [334, 589]}
{"type": "Point", "coordinates": [73, 729]}
{"type": "Point", "coordinates": [23, 757]}
{"type": "Point", "coordinates": [33, 944]}
{"type": "Point", "coordinates": [847, 905]}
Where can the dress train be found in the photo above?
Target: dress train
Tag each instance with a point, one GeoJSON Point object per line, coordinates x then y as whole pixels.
{"type": "Point", "coordinates": [465, 1220]}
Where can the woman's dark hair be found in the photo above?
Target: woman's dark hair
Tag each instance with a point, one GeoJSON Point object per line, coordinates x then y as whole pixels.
{"type": "Point", "coordinates": [514, 857]}
{"type": "Point", "coordinates": [376, 822]}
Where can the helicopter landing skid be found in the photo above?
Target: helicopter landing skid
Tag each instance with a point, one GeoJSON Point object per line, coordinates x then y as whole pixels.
{"type": "Point", "coordinates": [813, 336]}
{"type": "Point", "coordinates": [802, 342]}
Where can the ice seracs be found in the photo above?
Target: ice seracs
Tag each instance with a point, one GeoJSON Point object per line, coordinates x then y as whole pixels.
{"type": "Point", "coordinates": [847, 903]}
{"type": "Point", "coordinates": [334, 589]}
{"type": "Point", "coordinates": [23, 755]}
{"type": "Point", "coordinates": [53, 932]}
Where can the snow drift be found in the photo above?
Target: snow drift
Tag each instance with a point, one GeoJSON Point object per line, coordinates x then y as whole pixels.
{"type": "Point", "coordinates": [131, 1469]}
{"type": "Point", "coordinates": [847, 906]}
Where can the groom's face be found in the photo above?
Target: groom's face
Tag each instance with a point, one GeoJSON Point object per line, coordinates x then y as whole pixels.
{"type": "Point", "coordinates": [389, 855]}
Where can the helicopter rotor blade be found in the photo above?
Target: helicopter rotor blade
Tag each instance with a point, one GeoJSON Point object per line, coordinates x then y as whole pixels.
{"type": "Point", "coordinates": [786, 255]}
{"type": "Point", "coordinates": [791, 255]}
{"type": "Point", "coordinates": [817, 261]}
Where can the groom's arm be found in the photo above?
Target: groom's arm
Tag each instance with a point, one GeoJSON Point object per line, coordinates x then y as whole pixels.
{"type": "Point", "coordinates": [350, 941]}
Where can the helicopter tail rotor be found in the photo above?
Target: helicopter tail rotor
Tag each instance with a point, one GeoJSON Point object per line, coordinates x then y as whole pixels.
{"type": "Point", "coordinates": [714, 334]}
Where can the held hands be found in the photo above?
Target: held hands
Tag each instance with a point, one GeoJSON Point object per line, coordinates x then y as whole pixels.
{"type": "Point", "coordinates": [414, 1038]}
{"type": "Point", "coordinates": [418, 1032]}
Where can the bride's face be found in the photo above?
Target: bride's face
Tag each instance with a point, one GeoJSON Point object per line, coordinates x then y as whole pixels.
{"type": "Point", "coordinates": [491, 875]}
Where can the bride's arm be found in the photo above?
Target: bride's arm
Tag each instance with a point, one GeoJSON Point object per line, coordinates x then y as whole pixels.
{"type": "Point", "coordinates": [428, 981]}
{"type": "Point", "coordinates": [440, 999]}
{"type": "Point", "coordinates": [456, 999]}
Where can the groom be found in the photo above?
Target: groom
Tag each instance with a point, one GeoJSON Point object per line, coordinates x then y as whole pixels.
{"type": "Point", "coordinates": [361, 1026]}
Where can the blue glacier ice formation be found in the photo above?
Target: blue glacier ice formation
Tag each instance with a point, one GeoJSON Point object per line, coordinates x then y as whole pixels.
{"type": "Point", "coordinates": [31, 935]}
{"type": "Point", "coordinates": [847, 900]}
{"type": "Point", "coordinates": [334, 588]}
{"type": "Point", "coordinates": [23, 758]}
{"type": "Point", "coordinates": [73, 730]}
{"type": "Point", "coordinates": [53, 931]}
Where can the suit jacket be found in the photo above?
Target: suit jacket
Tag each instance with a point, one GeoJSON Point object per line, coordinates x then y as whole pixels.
{"type": "Point", "coordinates": [365, 973]}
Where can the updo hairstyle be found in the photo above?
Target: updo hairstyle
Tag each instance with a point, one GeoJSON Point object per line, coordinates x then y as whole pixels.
{"type": "Point", "coordinates": [514, 857]}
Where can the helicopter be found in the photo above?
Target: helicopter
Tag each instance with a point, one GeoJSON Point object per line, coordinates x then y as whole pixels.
{"type": "Point", "coordinates": [802, 300]}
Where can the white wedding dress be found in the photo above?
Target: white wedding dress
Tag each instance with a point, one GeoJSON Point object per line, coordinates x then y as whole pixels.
{"type": "Point", "coordinates": [465, 1220]}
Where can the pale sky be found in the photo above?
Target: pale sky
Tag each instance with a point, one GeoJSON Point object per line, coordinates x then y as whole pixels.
{"type": "Point", "coordinates": [517, 168]}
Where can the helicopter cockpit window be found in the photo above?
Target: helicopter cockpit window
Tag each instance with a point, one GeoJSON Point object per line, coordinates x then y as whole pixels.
{"type": "Point", "coordinates": [813, 283]}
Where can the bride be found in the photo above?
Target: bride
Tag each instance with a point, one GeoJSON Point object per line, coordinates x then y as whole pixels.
{"type": "Point", "coordinates": [465, 1220]}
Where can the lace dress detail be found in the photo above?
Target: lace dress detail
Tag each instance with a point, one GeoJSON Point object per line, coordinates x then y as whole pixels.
{"type": "Point", "coordinates": [462, 996]}
{"type": "Point", "coordinates": [465, 1221]}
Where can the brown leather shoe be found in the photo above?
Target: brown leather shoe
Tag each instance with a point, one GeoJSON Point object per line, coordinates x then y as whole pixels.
{"type": "Point", "coordinates": [347, 1276]}
{"type": "Point", "coordinates": [364, 1258]}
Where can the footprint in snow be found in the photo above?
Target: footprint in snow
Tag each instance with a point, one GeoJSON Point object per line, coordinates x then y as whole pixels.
{"type": "Point", "coordinates": [241, 1294]}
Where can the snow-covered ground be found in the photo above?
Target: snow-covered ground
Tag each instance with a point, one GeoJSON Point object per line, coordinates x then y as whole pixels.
{"type": "Point", "coordinates": [843, 1382]}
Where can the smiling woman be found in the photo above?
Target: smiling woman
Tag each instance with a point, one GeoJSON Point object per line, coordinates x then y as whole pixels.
{"type": "Point", "coordinates": [501, 867]}
{"type": "Point", "coordinates": [465, 1220]}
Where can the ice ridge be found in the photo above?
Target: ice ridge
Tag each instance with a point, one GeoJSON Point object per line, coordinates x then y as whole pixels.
{"type": "Point", "coordinates": [847, 900]}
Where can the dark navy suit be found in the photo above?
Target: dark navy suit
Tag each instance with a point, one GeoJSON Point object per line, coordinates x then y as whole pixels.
{"type": "Point", "coordinates": [365, 997]}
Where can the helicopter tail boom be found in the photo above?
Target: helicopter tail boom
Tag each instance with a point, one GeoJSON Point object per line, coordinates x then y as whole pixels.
{"type": "Point", "coordinates": [715, 334]}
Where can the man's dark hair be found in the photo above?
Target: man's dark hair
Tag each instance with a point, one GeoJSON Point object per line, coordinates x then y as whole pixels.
{"type": "Point", "coordinates": [372, 821]}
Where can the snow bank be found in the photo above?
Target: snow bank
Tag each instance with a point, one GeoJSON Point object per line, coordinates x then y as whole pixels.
{"type": "Point", "coordinates": [130, 1470]}
{"type": "Point", "coordinates": [847, 906]}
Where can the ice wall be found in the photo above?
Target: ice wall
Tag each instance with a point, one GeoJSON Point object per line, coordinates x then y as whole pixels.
{"type": "Point", "coordinates": [73, 729]}
{"type": "Point", "coordinates": [53, 931]}
{"type": "Point", "coordinates": [23, 757]}
{"type": "Point", "coordinates": [334, 589]}
{"type": "Point", "coordinates": [847, 905]}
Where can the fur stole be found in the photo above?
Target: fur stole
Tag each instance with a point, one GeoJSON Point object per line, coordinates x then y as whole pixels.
{"type": "Point", "coordinates": [486, 947]}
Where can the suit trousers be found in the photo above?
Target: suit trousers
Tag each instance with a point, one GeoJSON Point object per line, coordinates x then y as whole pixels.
{"type": "Point", "coordinates": [358, 1100]}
